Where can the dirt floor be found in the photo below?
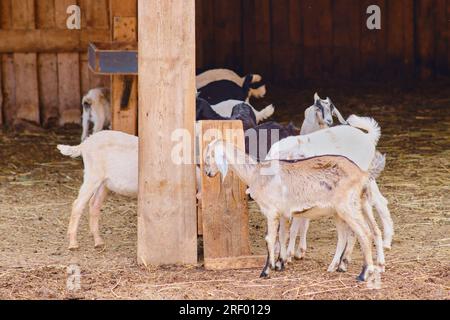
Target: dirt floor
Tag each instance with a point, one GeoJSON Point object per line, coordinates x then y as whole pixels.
{"type": "Point", "coordinates": [37, 187]}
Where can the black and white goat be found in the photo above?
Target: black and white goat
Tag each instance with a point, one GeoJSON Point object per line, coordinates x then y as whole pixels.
{"type": "Point", "coordinates": [218, 85]}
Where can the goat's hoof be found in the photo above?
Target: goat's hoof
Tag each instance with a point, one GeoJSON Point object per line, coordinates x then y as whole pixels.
{"type": "Point", "coordinates": [100, 246]}
{"type": "Point", "coordinates": [279, 266]}
{"type": "Point", "coordinates": [264, 275]}
{"type": "Point", "coordinates": [387, 244]}
{"type": "Point", "coordinates": [74, 247]}
{"type": "Point", "coordinates": [332, 268]}
{"type": "Point", "coordinates": [382, 268]}
{"type": "Point", "coordinates": [365, 273]}
{"type": "Point", "coordinates": [300, 255]}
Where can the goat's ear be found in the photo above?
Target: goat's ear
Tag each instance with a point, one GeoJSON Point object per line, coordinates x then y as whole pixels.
{"type": "Point", "coordinates": [221, 161]}
{"type": "Point", "coordinates": [316, 97]}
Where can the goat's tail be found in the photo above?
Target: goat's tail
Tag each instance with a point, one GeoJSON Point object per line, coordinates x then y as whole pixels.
{"type": "Point", "coordinates": [367, 124]}
{"type": "Point", "coordinates": [265, 113]}
{"type": "Point", "coordinates": [69, 151]}
{"type": "Point", "coordinates": [377, 166]}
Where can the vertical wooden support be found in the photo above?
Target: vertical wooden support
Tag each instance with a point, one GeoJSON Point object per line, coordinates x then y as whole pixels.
{"type": "Point", "coordinates": [224, 205]}
{"type": "Point", "coordinates": [124, 95]}
{"type": "Point", "coordinates": [69, 91]}
{"type": "Point", "coordinates": [25, 66]}
{"type": "Point", "coordinates": [47, 67]}
{"type": "Point", "coordinates": [167, 232]}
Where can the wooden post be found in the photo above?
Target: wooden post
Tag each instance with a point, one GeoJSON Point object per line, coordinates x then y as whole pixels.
{"type": "Point", "coordinates": [124, 93]}
{"type": "Point", "coordinates": [224, 205]}
{"type": "Point", "coordinates": [167, 232]}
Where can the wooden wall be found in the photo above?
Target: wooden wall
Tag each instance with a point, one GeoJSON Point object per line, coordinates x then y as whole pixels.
{"type": "Point", "coordinates": [291, 40]}
{"type": "Point", "coordinates": [44, 67]}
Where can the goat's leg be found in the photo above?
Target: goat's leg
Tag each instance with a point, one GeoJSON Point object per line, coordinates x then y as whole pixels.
{"type": "Point", "coordinates": [367, 209]}
{"type": "Point", "coordinates": [342, 231]}
{"type": "Point", "coordinates": [86, 192]}
{"type": "Point", "coordinates": [293, 232]}
{"type": "Point", "coordinates": [271, 237]}
{"type": "Point", "coordinates": [381, 205]}
{"type": "Point", "coordinates": [303, 230]}
{"type": "Point", "coordinates": [283, 237]}
{"type": "Point", "coordinates": [85, 125]}
{"type": "Point", "coordinates": [352, 215]}
{"type": "Point", "coordinates": [95, 206]}
{"type": "Point", "coordinates": [347, 255]}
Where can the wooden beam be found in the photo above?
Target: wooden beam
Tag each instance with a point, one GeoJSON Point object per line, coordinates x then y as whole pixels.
{"type": "Point", "coordinates": [69, 91]}
{"type": "Point", "coordinates": [167, 232]}
{"type": "Point", "coordinates": [224, 205]}
{"type": "Point", "coordinates": [235, 263]}
{"type": "Point", "coordinates": [124, 93]}
{"type": "Point", "coordinates": [49, 40]}
{"type": "Point", "coordinates": [25, 66]}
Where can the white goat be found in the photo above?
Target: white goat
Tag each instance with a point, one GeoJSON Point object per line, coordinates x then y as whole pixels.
{"type": "Point", "coordinates": [96, 109]}
{"type": "Point", "coordinates": [320, 115]}
{"type": "Point", "coordinates": [346, 141]}
{"type": "Point", "coordinates": [300, 188]}
{"type": "Point", "coordinates": [225, 109]}
{"type": "Point", "coordinates": [110, 163]}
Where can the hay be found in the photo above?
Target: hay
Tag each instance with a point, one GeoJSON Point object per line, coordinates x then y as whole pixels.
{"type": "Point", "coordinates": [38, 185]}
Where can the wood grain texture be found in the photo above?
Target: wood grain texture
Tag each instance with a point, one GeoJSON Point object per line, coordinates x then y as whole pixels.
{"type": "Point", "coordinates": [124, 118]}
{"type": "Point", "coordinates": [9, 88]}
{"type": "Point", "coordinates": [69, 88]}
{"type": "Point", "coordinates": [257, 37]}
{"type": "Point", "coordinates": [346, 35]}
{"type": "Point", "coordinates": [373, 43]}
{"type": "Point", "coordinates": [235, 263]}
{"type": "Point", "coordinates": [227, 34]}
{"type": "Point", "coordinates": [224, 205]}
{"type": "Point", "coordinates": [25, 66]}
{"type": "Point", "coordinates": [167, 216]}
{"type": "Point", "coordinates": [48, 88]}
{"type": "Point", "coordinates": [426, 39]}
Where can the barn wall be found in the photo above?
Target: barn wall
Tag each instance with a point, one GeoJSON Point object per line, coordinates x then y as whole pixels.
{"type": "Point", "coordinates": [290, 40]}
{"type": "Point", "coordinates": [44, 73]}
{"type": "Point", "coordinates": [44, 70]}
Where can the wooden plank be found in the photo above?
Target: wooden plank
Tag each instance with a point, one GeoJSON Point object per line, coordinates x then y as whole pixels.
{"type": "Point", "coordinates": [205, 24]}
{"type": "Point", "coordinates": [425, 32]}
{"type": "Point", "coordinates": [166, 204]}
{"type": "Point", "coordinates": [27, 91]}
{"type": "Point", "coordinates": [45, 14]}
{"type": "Point", "coordinates": [346, 28]}
{"type": "Point", "coordinates": [124, 113]}
{"type": "Point", "coordinates": [69, 88]}
{"type": "Point", "coordinates": [97, 14]}
{"type": "Point", "coordinates": [235, 263]}
{"type": "Point", "coordinates": [400, 46]}
{"type": "Point", "coordinates": [227, 34]}
{"type": "Point", "coordinates": [5, 14]}
{"type": "Point", "coordinates": [373, 43]}
{"type": "Point", "coordinates": [69, 91]}
{"type": "Point", "coordinates": [286, 40]}
{"type": "Point", "coordinates": [311, 40]}
{"type": "Point", "coordinates": [48, 88]}
{"type": "Point", "coordinates": [9, 89]}
{"type": "Point", "coordinates": [257, 45]}
{"type": "Point", "coordinates": [49, 40]}
{"type": "Point", "coordinates": [1, 96]}
{"type": "Point", "coordinates": [25, 66]}
{"type": "Point", "coordinates": [442, 37]}
{"type": "Point", "coordinates": [224, 205]}
{"type": "Point", "coordinates": [23, 15]}
{"type": "Point", "coordinates": [123, 8]}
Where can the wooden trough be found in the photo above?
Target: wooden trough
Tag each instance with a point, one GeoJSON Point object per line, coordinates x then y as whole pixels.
{"type": "Point", "coordinates": [222, 218]}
